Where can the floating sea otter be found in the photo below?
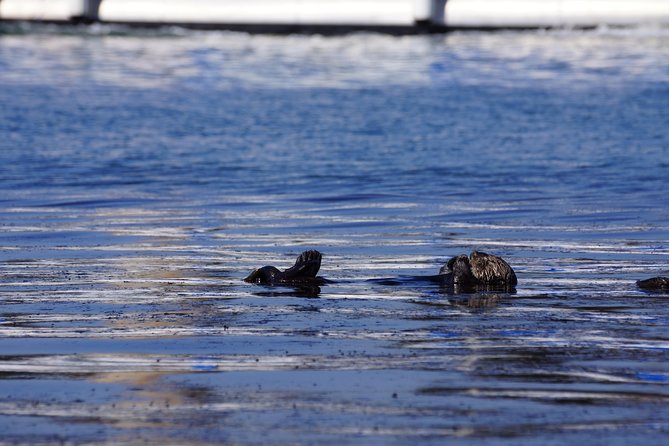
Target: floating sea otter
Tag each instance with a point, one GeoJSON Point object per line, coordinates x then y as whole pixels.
{"type": "Point", "coordinates": [478, 272]}
{"type": "Point", "coordinates": [302, 273]}
{"type": "Point", "coordinates": [655, 284]}
{"type": "Point", "coordinates": [462, 274]}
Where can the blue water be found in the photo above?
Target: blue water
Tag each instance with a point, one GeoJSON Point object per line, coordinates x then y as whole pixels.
{"type": "Point", "coordinates": [143, 174]}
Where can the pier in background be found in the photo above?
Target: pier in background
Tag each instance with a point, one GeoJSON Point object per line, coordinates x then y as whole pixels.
{"type": "Point", "coordinates": [297, 15]}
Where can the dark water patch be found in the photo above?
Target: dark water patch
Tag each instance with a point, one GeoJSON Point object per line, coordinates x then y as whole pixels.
{"type": "Point", "coordinates": [589, 397]}
{"type": "Point", "coordinates": [20, 261]}
{"type": "Point", "coordinates": [106, 203]}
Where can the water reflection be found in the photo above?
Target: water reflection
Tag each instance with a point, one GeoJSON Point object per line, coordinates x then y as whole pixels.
{"type": "Point", "coordinates": [478, 302]}
{"type": "Point", "coordinates": [148, 402]}
{"type": "Point", "coordinates": [293, 291]}
{"type": "Point", "coordinates": [172, 57]}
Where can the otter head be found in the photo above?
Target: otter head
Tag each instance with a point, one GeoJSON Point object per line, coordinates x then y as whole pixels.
{"type": "Point", "coordinates": [266, 274]}
{"type": "Point", "coordinates": [461, 272]}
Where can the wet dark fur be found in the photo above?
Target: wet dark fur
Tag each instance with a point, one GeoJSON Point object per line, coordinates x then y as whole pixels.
{"type": "Point", "coordinates": [466, 274]}
{"type": "Point", "coordinates": [478, 272]}
{"type": "Point", "coordinates": [656, 284]}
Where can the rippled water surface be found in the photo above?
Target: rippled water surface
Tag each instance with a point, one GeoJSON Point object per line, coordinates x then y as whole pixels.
{"type": "Point", "coordinates": [143, 174]}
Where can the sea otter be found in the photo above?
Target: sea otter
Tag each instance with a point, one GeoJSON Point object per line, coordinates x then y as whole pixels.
{"type": "Point", "coordinates": [303, 273]}
{"type": "Point", "coordinates": [655, 284]}
{"type": "Point", "coordinates": [478, 272]}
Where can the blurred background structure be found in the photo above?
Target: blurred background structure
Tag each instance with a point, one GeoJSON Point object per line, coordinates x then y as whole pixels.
{"type": "Point", "coordinates": [407, 15]}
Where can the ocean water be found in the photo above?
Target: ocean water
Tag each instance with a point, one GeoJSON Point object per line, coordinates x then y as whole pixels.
{"type": "Point", "coordinates": [144, 173]}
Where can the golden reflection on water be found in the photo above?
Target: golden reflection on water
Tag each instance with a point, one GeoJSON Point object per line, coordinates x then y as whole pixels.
{"type": "Point", "coordinates": [147, 398]}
